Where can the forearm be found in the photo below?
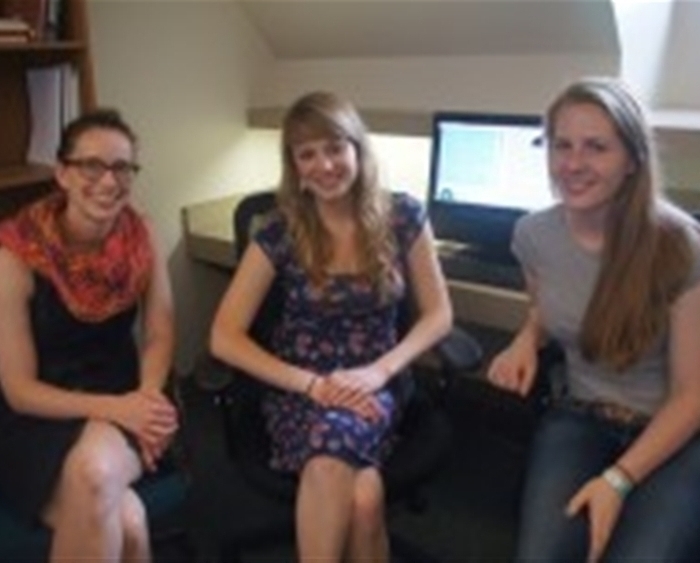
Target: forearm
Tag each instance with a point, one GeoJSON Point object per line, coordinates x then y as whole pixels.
{"type": "Point", "coordinates": [669, 430]}
{"type": "Point", "coordinates": [245, 354]}
{"type": "Point", "coordinates": [43, 400]}
{"type": "Point", "coordinates": [428, 330]}
{"type": "Point", "coordinates": [156, 362]}
{"type": "Point", "coordinates": [531, 333]}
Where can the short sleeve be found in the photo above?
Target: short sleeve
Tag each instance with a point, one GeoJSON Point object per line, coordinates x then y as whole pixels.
{"type": "Point", "coordinates": [273, 238]}
{"type": "Point", "coordinates": [522, 245]}
{"type": "Point", "coordinates": [693, 234]}
{"type": "Point", "coordinates": [408, 217]}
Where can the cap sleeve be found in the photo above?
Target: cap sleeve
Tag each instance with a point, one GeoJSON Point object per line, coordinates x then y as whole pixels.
{"type": "Point", "coordinates": [273, 238]}
{"type": "Point", "coordinates": [409, 217]}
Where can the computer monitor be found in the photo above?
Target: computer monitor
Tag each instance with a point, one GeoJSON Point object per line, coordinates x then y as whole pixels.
{"type": "Point", "coordinates": [486, 171]}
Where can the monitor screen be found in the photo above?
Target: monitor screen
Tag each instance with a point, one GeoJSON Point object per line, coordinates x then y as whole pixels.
{"type": "Point", "coordinates": [486, 171]}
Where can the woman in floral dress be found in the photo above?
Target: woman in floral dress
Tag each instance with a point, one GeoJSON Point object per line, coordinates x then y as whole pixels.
{"type": "Point", "coordinates": [346, 253]}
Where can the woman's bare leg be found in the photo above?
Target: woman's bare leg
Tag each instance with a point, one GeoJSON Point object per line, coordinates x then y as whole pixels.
{"type": "Point", "coordinates": [324, 508]}
{"type": "Point", "coordinates": [137, 545]}
{"type": "Point", "coordinates": [368, 541]}
{"type": "Point", "coordinates": [85, 511]}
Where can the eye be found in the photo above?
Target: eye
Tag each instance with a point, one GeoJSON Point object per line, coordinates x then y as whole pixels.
{"type": "Point", "coordinates": [304, 154]}
{"type": "Point", "coordinates": [338, 146]}
{"type": "Point", "coordinates": [123, 167]}
{"type": "Point", "coordinates": [597, 146]}
{"type": "Point", "coordinates": [94, 166]}
{"type": "Point", "coordinates": [560, 145]}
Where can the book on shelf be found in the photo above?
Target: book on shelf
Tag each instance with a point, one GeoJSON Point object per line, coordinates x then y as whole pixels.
{"type": "Point", "coordinates": [31, 12]}
{"type": "Point", "coordinates": [14, 31]}
{"type": "Point", "coordinates": [53, 102]}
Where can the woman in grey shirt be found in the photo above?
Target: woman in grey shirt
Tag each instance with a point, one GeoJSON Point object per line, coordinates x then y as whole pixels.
{"type": "Point", "coordinates": [613, 272]}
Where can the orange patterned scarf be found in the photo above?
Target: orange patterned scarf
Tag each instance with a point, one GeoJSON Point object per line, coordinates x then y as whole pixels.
{"type": "Point", "coordinates": [94, 285]}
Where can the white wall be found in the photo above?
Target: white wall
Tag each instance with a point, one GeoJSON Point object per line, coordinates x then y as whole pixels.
{"type": "Point", "coordinates": [425, 84]}
{"type": "Point", "coordinates": [181, 73]}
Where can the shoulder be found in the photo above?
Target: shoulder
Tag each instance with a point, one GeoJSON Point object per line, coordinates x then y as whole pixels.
{"type": "Point", "coordinates": [404, 205]}
{"type": "Point", "coordinates": [534, 233]}
{"type": "Point", "coordinates": [271, 226]}
{"type": "Point", "coordinates": [16, 279]}
{"type": "Point", "coordinates": [543, 220]}
{"type": "Point", "coordinates": [271, 232]}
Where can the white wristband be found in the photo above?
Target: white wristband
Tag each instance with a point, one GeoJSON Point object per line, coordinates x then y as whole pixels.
{"type": "Point", "coordinates": [617, 479]}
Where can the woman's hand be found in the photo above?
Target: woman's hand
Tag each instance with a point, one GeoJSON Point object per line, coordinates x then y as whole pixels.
{"type": "Point", "coordinates": [514, 368]}
{"type": "Point", "coordinates": [352, 389]}
{"type": "Point", "coordinates": [148, 414]}
{"type": "Point", "coordinates": [603, 504]}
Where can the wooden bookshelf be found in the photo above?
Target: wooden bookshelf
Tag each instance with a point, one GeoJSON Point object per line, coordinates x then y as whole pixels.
{"type": "Point", "coordinates": [21, 181]}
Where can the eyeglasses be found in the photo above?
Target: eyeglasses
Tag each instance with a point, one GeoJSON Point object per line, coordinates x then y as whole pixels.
{"type": "Point", "coordinates": [93, 169]}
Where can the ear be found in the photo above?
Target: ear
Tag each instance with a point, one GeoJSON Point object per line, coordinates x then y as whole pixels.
{"type": "Point", "coordinates": [60, 174]}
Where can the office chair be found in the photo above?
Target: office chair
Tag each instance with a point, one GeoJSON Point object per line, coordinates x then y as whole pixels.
{"type": "Point", "coordinates": [424, 433]}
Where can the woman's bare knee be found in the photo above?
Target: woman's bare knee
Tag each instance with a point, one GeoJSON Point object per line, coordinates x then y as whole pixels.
{"type": "Point", "coordinates": [368, 500]}
{"type": "Point", "coordinates": [95, 473]}
{"type": "Point", "coordinates": [326, 470]}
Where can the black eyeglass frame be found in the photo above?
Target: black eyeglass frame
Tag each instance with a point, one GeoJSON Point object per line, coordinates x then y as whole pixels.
{"type": "Point", "coordinates": [93, 169]}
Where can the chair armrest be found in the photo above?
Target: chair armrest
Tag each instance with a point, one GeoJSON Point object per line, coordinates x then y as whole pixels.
{"type": "Point", "coordinates": [459, 351]}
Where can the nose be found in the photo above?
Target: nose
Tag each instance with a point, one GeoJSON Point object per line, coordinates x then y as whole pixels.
{"type": "Point", "coordinates": [324, 162]}
{"type": "Point", "coordinates": [574, 159]}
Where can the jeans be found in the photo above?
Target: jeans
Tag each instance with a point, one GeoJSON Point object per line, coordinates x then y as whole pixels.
{"type": "Point", "coordinates": [660, 518]}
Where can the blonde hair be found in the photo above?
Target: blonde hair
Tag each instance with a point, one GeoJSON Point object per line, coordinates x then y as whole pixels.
{"type": "Point", "coordinates": [326, 115]}
{"type": "Point", "coordinates": [646, 255]}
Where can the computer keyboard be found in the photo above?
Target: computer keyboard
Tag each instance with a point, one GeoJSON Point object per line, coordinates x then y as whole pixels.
{"type": "Point", "coordinates": [474, 268]}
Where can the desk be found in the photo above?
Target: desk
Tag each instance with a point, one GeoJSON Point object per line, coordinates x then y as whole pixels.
{"type": "Point", "coordinates": [209, 239]}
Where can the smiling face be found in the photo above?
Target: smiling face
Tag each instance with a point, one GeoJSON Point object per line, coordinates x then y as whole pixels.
{"type": "Point", "coordinates": [588, 161]}
{"type": "Point", "coordinates": [327, 167]}
{"type": "Point", "coordinates": [95, 194]}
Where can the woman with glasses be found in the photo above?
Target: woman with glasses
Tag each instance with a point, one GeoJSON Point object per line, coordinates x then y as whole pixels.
{"type": "Point", "coordinates": [614, 272]}
{"type": "Point", "coordinates": [82, 408]}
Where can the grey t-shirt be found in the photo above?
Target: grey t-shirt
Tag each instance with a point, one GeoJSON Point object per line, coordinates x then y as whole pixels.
{"type": "Point", "coordinates": [566, 275]}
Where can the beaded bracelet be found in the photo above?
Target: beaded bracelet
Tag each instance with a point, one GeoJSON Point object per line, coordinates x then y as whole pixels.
{"type": "Point", "coordinates": [310, 385]}
{"type": "Point", "coordinates": [618, 480]}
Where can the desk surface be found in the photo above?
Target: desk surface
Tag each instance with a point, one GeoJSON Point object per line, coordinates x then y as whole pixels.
{"type": "Point", "coordinates": [209, 239]}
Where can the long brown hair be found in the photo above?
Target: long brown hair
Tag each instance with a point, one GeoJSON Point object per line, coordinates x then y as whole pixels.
{"type": "Point", "coordinates": [646, 256]}
{"type": "Point", "coordinates": [326, 115]}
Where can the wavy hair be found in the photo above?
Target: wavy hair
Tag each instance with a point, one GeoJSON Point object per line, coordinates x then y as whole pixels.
{"type": "Point", "coordinates": [326, 115]}
{"type": "Point", "coordinates": [646, 256]}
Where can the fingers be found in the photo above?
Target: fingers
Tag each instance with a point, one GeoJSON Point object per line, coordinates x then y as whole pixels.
{"type": "Point", "coordinates": [525, 380]}
{"type": "Point", "coordinates": [329, 393]}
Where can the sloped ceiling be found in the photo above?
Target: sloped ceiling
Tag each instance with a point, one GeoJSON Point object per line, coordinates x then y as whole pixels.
{"type": "Point", "coordinates": [306, 29]}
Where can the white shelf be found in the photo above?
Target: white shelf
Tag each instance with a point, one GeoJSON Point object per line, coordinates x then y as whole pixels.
{"type": "Point", "coordinates": [676, 120]}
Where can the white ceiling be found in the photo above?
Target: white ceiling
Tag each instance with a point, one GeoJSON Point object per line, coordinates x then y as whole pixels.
{"type": "Point", "coordinates": [309, 29]}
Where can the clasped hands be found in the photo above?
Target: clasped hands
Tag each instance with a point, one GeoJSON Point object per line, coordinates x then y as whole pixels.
{"type": "Point", "coordinates": [352, 389]}
{"type": "Point", "coordinates": [151, 417]}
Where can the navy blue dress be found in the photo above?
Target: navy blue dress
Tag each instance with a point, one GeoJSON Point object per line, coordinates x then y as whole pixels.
{"type": "Point", "coordinates": [346, 325]}
{"type": "Point", "coordinates": [72, 354]}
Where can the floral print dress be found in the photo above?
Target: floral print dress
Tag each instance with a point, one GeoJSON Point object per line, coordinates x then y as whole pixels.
{"type": "Point", "coordinates": [343, 326]}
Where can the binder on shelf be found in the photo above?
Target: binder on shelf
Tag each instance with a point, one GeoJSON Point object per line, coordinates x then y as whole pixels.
{"type": "Point", "coordinates": [53, 102]}
{"type": "Point", "coordinates": [52, 26]}
{"type": "Point", "coordinates": [31, 12]}
{"type": "Point", "coordinates": [45, 105]}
